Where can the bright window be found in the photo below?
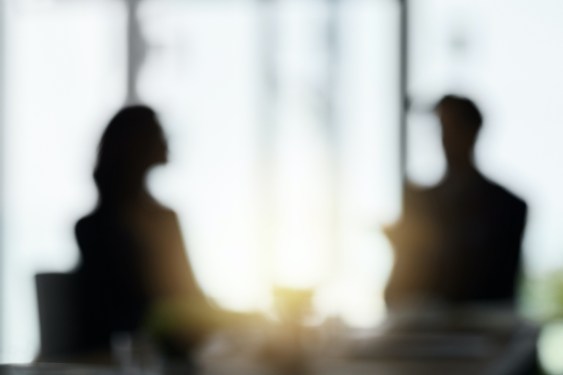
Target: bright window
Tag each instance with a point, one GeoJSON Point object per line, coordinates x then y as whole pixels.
{"type": "Point", "coordinates": [64, 77]}
{"type": "Point", "coordinates": [283, 124]}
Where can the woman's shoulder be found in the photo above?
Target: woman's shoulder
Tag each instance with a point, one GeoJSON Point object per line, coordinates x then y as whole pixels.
{"type": "Point", "coordinates": [86, 231]}
{"type": "Point", "coordinates": [86, 223]}
{"type": "Point", "coordinates": [94, 223]}
{"type": "Point", "coordinates": [160, 210]}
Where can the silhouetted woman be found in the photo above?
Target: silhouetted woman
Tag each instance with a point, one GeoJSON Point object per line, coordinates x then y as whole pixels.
{"type": "Point", "coordinates": [134, 268]}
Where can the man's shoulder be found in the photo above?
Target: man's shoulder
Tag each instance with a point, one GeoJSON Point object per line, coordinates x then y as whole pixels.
{"type": "Point", "coordinates": [505, 196]}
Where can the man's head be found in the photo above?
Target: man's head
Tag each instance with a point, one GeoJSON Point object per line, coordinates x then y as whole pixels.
{"type": "Point", "coordinates": [461, 122]}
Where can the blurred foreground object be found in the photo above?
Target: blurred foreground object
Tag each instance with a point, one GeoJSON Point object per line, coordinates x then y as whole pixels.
{"type": "Point", "coordinates": [426, 341]}
{"type": "Point", "coordinates": [486, 340]}
{"type": "Point", "coordinates": [286, 347]}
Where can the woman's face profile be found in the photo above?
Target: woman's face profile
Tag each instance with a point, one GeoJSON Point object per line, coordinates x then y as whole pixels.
{"type": "Point", "coordinates": [149, 145]}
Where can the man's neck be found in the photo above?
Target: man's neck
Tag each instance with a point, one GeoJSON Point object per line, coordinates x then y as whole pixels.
{"type": "Point", "coordinates": [461, 173]}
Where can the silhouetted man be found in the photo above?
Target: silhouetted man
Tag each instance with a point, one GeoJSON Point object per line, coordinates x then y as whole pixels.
{"type": "Point", "coordinates": [457, 242]}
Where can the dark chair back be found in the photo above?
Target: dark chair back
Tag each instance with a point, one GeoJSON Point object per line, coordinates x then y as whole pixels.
{"type": "Point", "coordinates": [60, 312]}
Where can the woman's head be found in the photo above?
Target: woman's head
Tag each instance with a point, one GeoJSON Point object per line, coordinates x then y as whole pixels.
{"type": "Point", "coordinates": [131, 144]}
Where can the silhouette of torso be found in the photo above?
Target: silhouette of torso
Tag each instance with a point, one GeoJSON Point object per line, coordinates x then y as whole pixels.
{"type": "Point", "coordinates": [457, 242]}
{"type": "Point", "coordinates": [131, 258]}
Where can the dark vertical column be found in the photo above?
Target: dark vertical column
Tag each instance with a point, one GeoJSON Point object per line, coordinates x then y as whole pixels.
{"type": "Point", "coordinates": [403, 83]}
{"type": "Point", "coordinates": [268, 45]}
{"type": "Point", "coordinates": [333, 71]}
{"type": "Point", "coordinates": [2, 160]}
{"type": "Point", "coordinates": [333, 124]}
{"type": "Point", "coordinates": [333, 75]}
{"type": "Point", "coordinates": [136, 50]}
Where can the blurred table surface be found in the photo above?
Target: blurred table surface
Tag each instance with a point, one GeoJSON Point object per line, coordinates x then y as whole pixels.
{"type": "Point", "coordinates": [499, 345]}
